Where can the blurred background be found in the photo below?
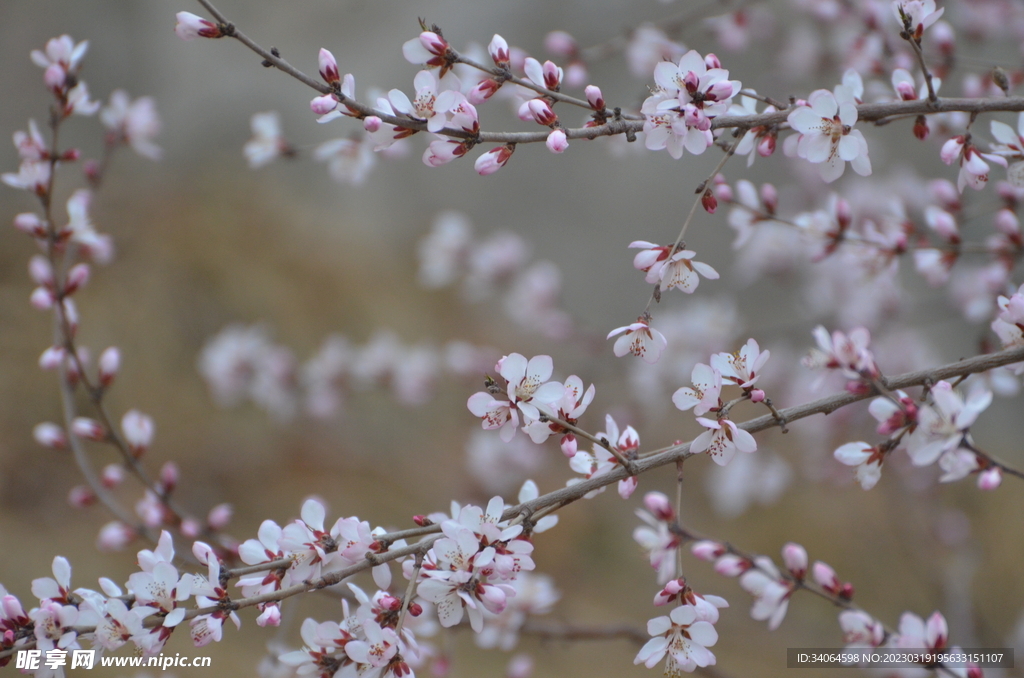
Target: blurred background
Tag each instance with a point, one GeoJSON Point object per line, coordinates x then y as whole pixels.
{"type": "Point", "coordinates": [203, 242]}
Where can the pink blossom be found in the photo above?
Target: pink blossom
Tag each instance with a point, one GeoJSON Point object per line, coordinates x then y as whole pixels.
{"type": "Point", "coordinates": [916, 15]}
{"type": "Point", "coordinates": [429, 104]}
{"type": "Point", "coordinates": [770, 591]}
{"type": "Point", "coordinates": [135, 122]}
{"type": "Point", "coordinates": [743, 367]}
{"type": "Point", "coordinates": [721, 440]}
{"type": "Point", "coordinates": [705, 394]}
{"type": "Point", "coordinates": [848, 353]}
{"type": "Point", "coordinates": [267, 142]}
{"type": "Point", "coordinates": [973, 168]}
{"type": "Point", "coordinates": [639, 339]}
{"type": "Point", "coordinates": [795, 557]}
{"type": "Point", "coordinates": [944, 423]}
{"type": "Point", "coordinates": [866, 458]}
{"type": "Point", "coordinates": [428, 49]}
{"type": "Point", "coordinates": [827, 137]}
{"type": "Point", "coordinates": [546, 76]}
{"type": "Point", "coordinates": [860, 630]}
{"type": "Point", "coordinates": [683, 638]}
{"type": "Point", "coordinates": [138, 431]}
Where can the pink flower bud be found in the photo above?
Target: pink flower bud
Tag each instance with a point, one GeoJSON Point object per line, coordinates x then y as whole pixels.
{"type": "Point", "coordinates": [723, 191]}
{"type": "Point", "coordinates": [769, 197]}
{"type": "Point", "coordinates": [220, 516]}
{"type": "Point", "coordinates": [576, 74]}
{"type": "Point", "coordinates": [112, 476]}
{"type": "Point", "coordinates": [1006, 223]}
{"type": "Point", "coordinates": [324, 104]}
{"type": "Point", "coordinates": [389, 602]}
{"type": "Point", "coordinates": [30, 223]}
{"type": "Point", "coordinates": [41, 299]}
{"type": "Point", "coordinates": [709, 202]}
{"type": "Point", "coordinates": [138, 431]}
{"type": "Point", "coordinates": [560, 44]}
{"type": "Point", "coordinates": [422, 521]}
{"type": "Point", "coordinates": [328, 67]}
{"type": "Point", "coordinates": [670, 592]}
{"type": "Point", "coordinates": [556, 142]}
{"type": "Point", "coordinates": [190, 27]}
{"type": "Point", "coordinates": [920, 128]}
{"type": "Point", "coordinates": [493, 160]}
{"type": "Point", "coordinates": [81, 496]}
{"type": "Point", "coordinates": [49, 435]}
{"type": "Point", "coordinates": [990, 479]}
{"type": "Point", "coordinates": [936, 632]}
{"type": "Point", "coordinates": [40, 271]}
{"type": "Point", "coordinates": [271, 616]}
{"type": "Point", "coordinates": [55, 77]}
{"type": "Point", "coordinates": [77, 277]}
{"type": "Point", "coordinates": [569, 445]}
{"type": "Point", "coordinates": [70, 312]}
{"type": "Point", "coordinates": [498, 49]}
{"type": "Point", "coordinates": [12, 608]}
{"type": "Point", "coordinates": [191, 528]}
{"type": "Point", "coordinates": [712, 61]}
{"type": "Point", "coordinates": [483, 91]}
{"type": "Point", "coordinates": [90, 429]}
{"type": "Point", "coordinates": [519, 666]}
{"type": "Point", "coordinates": [552, 75]}
{"type": "Point", "coordinates": [731, 565]}
{"type": "Point", "coordinates": [660, 506]}
{"type": "Point", "coordinates": [433, 43]}
{"type": "Point", "coordinates": [795, 557]}
{"type": "Point", "coordinates": [951, 150]}
{"type": "Point", "coordinates": [825, 577]}
{"type": "Point", "coordinates": [943, 36]}
{"type": "Point", "coordinates": [114, 536]}
{"type": "Point", "coordinates": [109, 364]}
{"type": "Point", "coordinates": [708, 551]}
{"type": "Point", "coordinates": [756, 395]}
{"type": "Point", "coordinates": [766, 146]}
{"type": "Point", "coordinates": [594, 97]}
{"type": "Point", "coordinates": [169, 475]}
{"type": "Point", "coordinates": [372, 123]}
{"type": "Point", "coordinates": [537, 110]}
{"type": "Point", "coordinates": [52, 358]}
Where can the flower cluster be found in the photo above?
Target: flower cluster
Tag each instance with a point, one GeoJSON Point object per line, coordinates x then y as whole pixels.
{"type": "Point", "coordinates": [688, 97]}
{"type": "Point", "coordinates": [723, 437]}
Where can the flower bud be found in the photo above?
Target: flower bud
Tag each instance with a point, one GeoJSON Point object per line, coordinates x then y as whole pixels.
{"type": "Point", "coordinates": [709, 202]}
{"type": "Point", "coordinates": [493, 160]}
{"type": "Point", "coordinates": [731, 565]}
{"type": "Point", "coordinates": [921, 129]}
{"type": "Point", "coordinates": [328, 67]}
{"type": "Point", "coordinates": [498, 49]}
{"type": "Point", "coordinates": [40, 271]}
{"type": "Point", "coordinates": [52, 358]}
{"type": "Point", "coordinates": [49, 435]}
{"type": "Point", "coordinates": [560, 44]}
{"type": "Point", "coordinates": [169, 476]}
{"type": "Point", "coordinates": [191, 528]}
{"type": "Point", "coordinates": [220, 516]}
{"type": "Point", "coordinates": [114, 536]}
{"type": "Point", "coordinates": [769, 198]}
{"type": "Point", "coordinates": [712, 61]}
{"type": "Point", "coordinates": [556, 141]}
{"type": "Point", "coordinates": [190, 27]}
{"type": "Point", "coordinates": [81, 496]}
{"type": "Point", "coordinates": [77, 277]}
{"type": "Point", "coordinates": [660, 506]}
{"type": "Point", "coordinates": [90, 429]}
{"type": "Point", "coordinates": [30, 223]}
{"type": "Point", "coordinates": [826, 577]}
{"type": "Point", "coordinates": [594, 97]}
{"type": "Point", "coordinates": [766, 146]}
{"type": "Point", "coordinates": [109, 364]}
{"type": "Point", "coordinates": [1006, 222]}
{"type": "Point", "coordinates": [707, 550]}
{"type": "Point", "coordinates": [41, 299]}
{"type": "Point", "coordinates": [756, 395]}
{"type": "Point", "coordinates": [795, 557]}
{"type": "Point", "coordinates": [323, 105]}
{"type": "Point", "coordinates": [372, 123]}
{"type": "Point", "coordinates": [112, 476]}
{"type": "Point", "coordinates": [138, 432]}
{"type": "Point", "coordinates": [990, 479]}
